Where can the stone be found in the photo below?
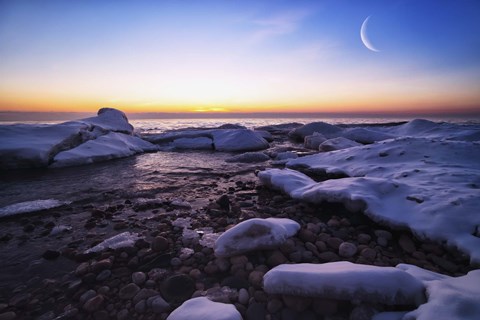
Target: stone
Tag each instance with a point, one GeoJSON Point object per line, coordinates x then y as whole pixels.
{"type": "Point", "coordinates": [104, 275]}
{"type": "Point", "coordinates": [87, 295]}
{"type": "Point", "coordinates": [123, 315]}
{"type": "Point", "coordinates": [256, 311]}
{"type": "Point", "coordinates": [224, 202]}
{"type": "Point", "coordinates": [177, 288]}
{"type": "Point", "coordinates": [406, 243]}
{"type": "Point", "coordinates": [334, 243]}
{"type": "Point", "coordinates": [383, 234]}
{"type": "Point", "coordinates": [296, 303]}
{"type": "Point", "coordinates": [93, 304]}
{"type": "Point", "coordinates": [328, 256]}
{"type": "Point", "coordinates": [369, 254]}
{"type": "Point", "coordinates": [307, 235]}
{"type": "Point", "coordinates": [159, 305]}
{"type": "Point", "coordinates": [144, 294]}
{"type": "Point", "coordinates": [255, 278]}
{"type": "Point", "coordinates": [82, 269]}
{"type": "Point", "coordinates": [140, 306]}
{"type": "Point", "coordinates": [362, 312]}
{"type": "Point", "coordinates": [325, 307]}
{"type": "Point", "coordinates": [160, 244]}
{"type": "Point", "coordinates": [9, 315]}
{"type": "Point", "coordinates": [50, 254]}
{"type": "Point", "coordinates": [139, 278]}
{"type": "Point", "coordinates": [243, 296]}
{"type": "Point", "coordinates": [363, 238]}
{"type": "Point", "coordinates": [276, 258]}
{"type": "Point", "coordinates": [128, 291]}
{"type": "Point", "coordinates": [347, 250]}
{"type": "Point", "coordinates": [274, 305]}
{"type": "Point", "coordinates": [101, 265]}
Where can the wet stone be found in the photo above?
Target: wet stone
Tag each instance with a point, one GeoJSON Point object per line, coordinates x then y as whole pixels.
{"type": "Point", "coordinates": [328, 256]}
{"type": "Point", "coordinates": [104, 275]}
{"type": "Point", "coordinates": [139, 278]}
{"type": "Point", "coordinates": [128, 291]}
{"type": "Point", "coordinates": [94, 303]}
{"type": "Point", "coordinates": [50, 254]}
{"type": "Point", "coordinates": [177, 288]}
{"type": "Point", "coordinates": [347, 250]}
{"type": "Point", "coordinates": [406, 243]}
{"type": "Point", "coordinates": [160, 244]}
{"type": "Point", "coordinates": [256, 311]}
{"type": "Point", "coordinates": [159, 305]}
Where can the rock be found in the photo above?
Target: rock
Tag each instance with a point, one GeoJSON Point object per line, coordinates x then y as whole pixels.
{"type": "Point", "coordinates": [243, 296]}
{"type": "Point", "coordinates": [101, 265]}
{"type": "Point", "coordinates": [20, 299]}
{"type": "Point", "coordinates": [369, 254]}
{"type": "Point", "coordinates": [140, 306]}
{"type": "Point", "coordinates": [296, 303]}
{"type": "Point", "coordinates": [307, 235]}
{"type": "Point", "coordinates": [159, 305]}
{"type": "Point", "coordinates": [383, 234]}
{"type": "Point", "coordinates": [128, 291]}
{"type": "Point", "coordinates": [274, 305]}
{"type": "Point", "coordinates": [256, 311]}
{"type": "Point", "coordinates": [177, 288]}
{"type": "Point", "coordinates": [406, 243]}
{"type": "Point", "coordinates": [347, 250]}
{"type": "Point", "coordinates": [87, 295]}
{"type": "Point", "coordinates": [334, 243]}
{"type": "Point", "coordinates": [224, 202]}
{"type": "Point", "coordinates": [160, 244]}
{"type": "Point", "coordinates": [255, 234]}
{"type": "Point", "coordinates": [93, 304]}
{"type": "Point", "coordinates": [328, 256]}
{"type": "Point", "coordinates": [9, 315]}
{"type": "Point", "coordinates": [276, 258]}
{"type": "Point", "coordinates": [256, 278]}
{"type": "Point", "coordinates": [445, 264]}
{"type": "Point", "coordinates": [325, 307]}
{"type": "Point", "coordinates": [82, 269]}
{"type": "Point", "coordinates": [50, 254]}
{"type": "Point", "coordinates": [139, 278]}
{"type": "Point", "coordinates": [123, 315]}
{"type": "Point", "coordinates": [144, 294]}
{"type": "Point", "coordinates": [362, 312]}
{"type": "Point", "coordinates": [363, 238]}
{"type": "Point", "coordinates": [103, 275]}
{"type": "Point", "coordinates": [235, 282]}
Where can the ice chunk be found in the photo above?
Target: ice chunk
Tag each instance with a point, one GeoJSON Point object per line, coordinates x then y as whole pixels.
{"type": "Point", "coordinates": [182, 222]}
{"type": "Point", "coordinates": [203, 309]}
{"type": "Point", "coordinates": [286, 155]}
{"type": "Point", "coordinates": [255, 234]}
{"type": "Point", "coordinates": [313, 141]}
{"type": "Point", "coordinates": [249, 157]}
{"type": "Point", "coordinates": [122, 240]}
{"type": "Point", "coordinates": [110, 146]}
{"type": "Point", "coordinates": [345, 281]}
{"type": "Point", "coordinates": [200, 143]}
{"type": "Point", "coordinates": [30, 206]}
{"type": "Point", "coordinates": [110, 119]}
{"type": "Point", "coordinates": [337, 144]}
{"type": "Point", "coordinates": [238, 140]}
{"type": "Point", "coordinates": [60, 229]}
{"type": "Point", "coordinates": [208, 239]}
{"type": "Point", "coordinates": [328, 130]}
{"type": "Point", "coordinates": [363, 135]}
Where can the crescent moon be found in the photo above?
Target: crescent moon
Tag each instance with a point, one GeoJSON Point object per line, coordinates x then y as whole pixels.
{"type": "Point", "coordinates": [364, 37]}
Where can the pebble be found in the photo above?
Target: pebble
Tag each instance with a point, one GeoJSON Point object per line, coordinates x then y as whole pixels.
{"type": "Point", "coordinates": [406, 243]}
{"type": "Point", "coordinates": [139, 278]}
{"type": "Point", "coordinates": [144, 294]}
{"type": "Point", "coordinates": [87, 295]}
{"type": "Point", "coordinates": [328, 256]}
{"type": "Point", "coordinates": [159, 305]}
{"type": "Point", "coordinates": [383, 234]}
{"type": "Point", "coordinates": [243, 296]}
{"type": "Point", "coordinates": [94, 303]}
{"type": "Point", "coordinates": [128, 291]}
{"type": "Point", "coordinates": [369, 254]}
{"type": "Point", "coordinates": [325, 307]}
{"type": "Point", "coordinates": [10, 315]}
{"type": "Point", "coordinates": [347, 250]}
{"type": "Point", "coordinates": [123, 315]}
{"type": "Point", "coordinates": [160, 244]}
{"type": "Point", "coordinates": [177, 288]}
{"type": "Point", "coordinates": [51, 254]}
{"type": "Point", "coordinates": [276, 258]}
{"type": "Point", "coordinates": [274, 305]}
{"type": "Point", "coordinates": [104, 275]}
{"type": "Point", "coordinates": [363, 238]}
{"type": "Point", "coordinates": [307, 235]}
{"type": "Point", "coordinates": [255, 278]}
{"type": "Point", "coordinates": [140, 306]}
{"type": "Point", "coordinates": [256, 311]}
{"type": "Point", "coordinates": [334, 243]}
{"type": "Point", "coordinates": [296, 303]}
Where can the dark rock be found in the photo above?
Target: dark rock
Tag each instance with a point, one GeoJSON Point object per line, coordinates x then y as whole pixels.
{"type": "Point", "coordinates": [159, 305]}
{"type": "Point", "coordinates": [334, 243]}
{"type": "Point", "coordinates": [444, 264]}
{"type": "Point", "coordinates": [10, 315]}
{"type": "Point", "coordinates": [144, 294]}
{"type": "Point", "coordinates": [235, 282]}
{"type": "Point", "coordinates": [255, 278]}
{"type": "Point", "coordinates": [256, 311]}
{"type": "Point", "coordinates": [296, 303]}
{"type": "Point", "coordinates": [128, 291]}
{"type": "Point", "coordinates": [406, 243]}
{"type": "Point", "coordinates": [160, 244]}
{"type": "Point", "coordinates": [224, 202]}
{"type": "Point", "coordinates": [93, 304]}
{"type": "Point", "coordinates": [368, 254]}
{"type": "Point", "coordinates": [328, 256]}
{"type": "Point", "coordinates": [177, 288]}
{"type": "Point", "coordinates": [276, 258]}
{"type": "Point", "coordinates": [307, 235]}
{"type": "Point", "coordinates": [325, 307]}
{"type": "Point", "coordinates": [20, 300]}
{"type": "Point", "coordinates": [347, 250]}
{"type": "Point", "coordinates": [50, 254]}
{"type": "Point", "coordinates": [103, 275]}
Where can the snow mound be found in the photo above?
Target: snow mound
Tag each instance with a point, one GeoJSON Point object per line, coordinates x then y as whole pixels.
{"type": "Point", "coordinates": [30, 206]}
{"type": "Point", "coordinates": [365, 136]}
{"type": "Point", "coordinates": [110, 119]}
{"type": "Point", "coordinates": [110, 146]}
{"type": "Point", "coordinates": [255, 234]}
{"type": "Point", "coordinates": [313, 141]}
{"type": "Point", "coordinates": [121, 240]}
{"type": "Point", "coordinates": [326, 129]}
{"type": "Point", "coordinates": [203, 309]}
{"type": "Point", "coordinates": [448, 297]}
{"type": "Point", "coordinates": [346, 281]}
{"type": "Point", "coordinates": [229, 140]}
{"type": "Point", "coordinates": [426, 185]}
{"type": "Point", "coordinates": [249, 157]}
{"type": "Point", "coordinates": [337, 144]}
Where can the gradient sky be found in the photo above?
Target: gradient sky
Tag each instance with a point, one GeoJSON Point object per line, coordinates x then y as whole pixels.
{"type": "Point", "coordinates": [240, 56]}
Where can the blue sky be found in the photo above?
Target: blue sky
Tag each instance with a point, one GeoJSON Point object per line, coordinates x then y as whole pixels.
{"type": "Point", "coordinates": [239, 55]}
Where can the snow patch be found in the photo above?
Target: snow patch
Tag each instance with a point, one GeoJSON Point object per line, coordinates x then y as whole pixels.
{"type": "Point", "coordinates": [203, 309]}
{"type": "Point", "coordinates": [122, 240]}
{"type": "Point", "coordinates": [30, 206]}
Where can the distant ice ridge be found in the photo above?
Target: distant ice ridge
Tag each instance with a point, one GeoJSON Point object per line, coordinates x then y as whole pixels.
{"type": "Point", "coordinates": [106, 136]}
{"type": "Point", "coordinates": [30, 206]}
{"type": "Point", "coordinates": [436, 296]}
{"type": "Point", "coordinates": [430, 186]}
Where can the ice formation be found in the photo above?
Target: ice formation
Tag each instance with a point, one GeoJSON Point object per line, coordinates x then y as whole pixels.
{"type": "Point", "coordinates": [30, 206]}
{"type": "Point", "coordinates": [255, 234]}
{"type": "Point", "coordinates": [345, 281]}
{"type": "Point", "coordinates": [121, 240]}
{"type": "Point", "coordinates": [203, 309]}
{"type": "Point", "coordinates": [249, 157]}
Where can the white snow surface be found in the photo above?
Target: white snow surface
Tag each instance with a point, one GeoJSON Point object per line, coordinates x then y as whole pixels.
{"type": "Point", "coordinates": [228, 140]}
{"type": "Point", "coordinates": [30, 206]}
{"type": "Point", "coordinates": [255, 234]}
{"type": "Point", "coordinates": [429, 186]}
{"type": "Point", "coordinates": [203, 309]}
{"type": "Point", "coordinates": [110, 146]}
{"type": "Point", "coordinates": [26, 146]}
{"type": "Point", "coordinates": [345, 281]}
{"type": "Point", "coordinates": [121, 240]}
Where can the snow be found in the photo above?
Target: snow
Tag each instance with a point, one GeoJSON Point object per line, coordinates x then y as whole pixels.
{"type": "Point", "coordinates": [337, 144]}
{"type": "Point", "coordinates": [249, 157]}
{"type": "Point", "coordinates": [27, 146]}
{"type": "Point", "coordinates": [313, 141]}
{"type": "Point", "coordinates": [228, 140]}
{"type": "Point", "coordinates": [427, 185]}
{"type": "Point", "coordinates": [255, 234]}
{"type": "Point", "coordinates": [326, 129]}
{"type": "Point", "coordinates": [121, 240]}
{"type": "Point", "coordinates": [345, 281]}
{"type": "Point", "coordinates": [60, 229]}
{"type": "Point", "coordinates": [365, 136]}
{"type": "Point", "coordinates": [30, 206]}
{"type": "Point", "coordinates": [203, 309]}
{"type": "Point", "coordinates": [286, 155]}
{"type": "Point", "coordinates": [110, 146]}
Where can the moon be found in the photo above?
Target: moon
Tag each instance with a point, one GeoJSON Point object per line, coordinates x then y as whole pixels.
{"type": "Point", "coordinates": [364, 37]}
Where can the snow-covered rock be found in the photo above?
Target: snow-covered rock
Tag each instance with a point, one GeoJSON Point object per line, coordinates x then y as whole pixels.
{"type": "Point", "coordinates": [121, 240]}
{"type": "Point", "coordinates": [110, 119]}
{"type": "Point", "coordinates": [249, 157]}
{"type": "Point", "coordinates": [366, 136]}
{"type": "Point", "coordinates": [200, 143]}
{"type": "Point", "coordinates": [337, 144]}
{"type": "Point", "coordinates": [282, 128]}
{"type": "Point", "coordinates": [448, 297]}
{"type": "Point", "coordinates": [287, 155]}
{"type": "Point", "coordinates": [313, 141]}
{"type": "Point", "coordinates": [345, 281]}
{"type": "Point", "coordinates": [264, 134]}
{"type": "Point", "coordinates": [30, 206]}
{"type": "Point", "coordinates": [426, 185]}
{"type": "Point", "coordinates": [255, 234]}
{"type": "Point", "coordinates": [110, 146]}
{"type": "Point", "coordinates": [203, 309]}
{"type": "Point", "coordinates": [326, 129]}
{"type": "Point", "coordinates": [229, 140]}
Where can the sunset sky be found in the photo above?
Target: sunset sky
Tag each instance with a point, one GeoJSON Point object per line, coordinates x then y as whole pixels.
{"type": "Point", "coordinates": [240, 56]}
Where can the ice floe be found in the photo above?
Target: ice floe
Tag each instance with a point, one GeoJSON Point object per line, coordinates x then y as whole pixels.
{"type": "Point", "coordinates": [121, 240]}
{"type": "Point", "coordinates": [204, 309]}
{"type": "Point", "coordinates": [346, 281]}
{"type": "Point", "coordinates": [30, 206]}
{"type": "Point", "coordinates": [429, 186]}
{"type": "Point", "coordinates": [255, 234]}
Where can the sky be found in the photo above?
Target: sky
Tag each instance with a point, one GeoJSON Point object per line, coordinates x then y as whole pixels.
{"type": "Point", "coordinates": [240, 56]}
